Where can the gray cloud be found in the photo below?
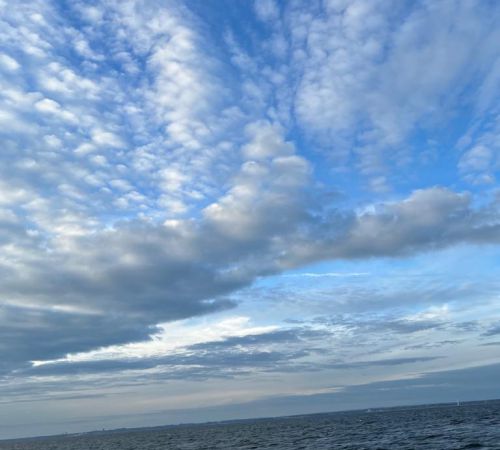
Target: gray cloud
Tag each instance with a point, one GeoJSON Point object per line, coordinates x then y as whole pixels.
{"type": "Point", "coordinates": [475, 383]}
{"type": "Point", "coordinates": [148, 273]}
{"type": "Point", "coordinates": [436, 344]}
{"type": "Point", "coordinates": [275, 351]}
{"type": "Point", "coordinates": [428, 219]}
{"type": "Point", "coordinates": [381, 324]}
{"type": "Point", "coordinates": [493, 330]}
{"type": "Point", "coordinates": [204, 366]}
{"type": "Point", "coordinates": [27, 334]}
{"type": "Point", "coordinates": [288, 336]}
{"type": "Point", "coordinates": [382, 362]}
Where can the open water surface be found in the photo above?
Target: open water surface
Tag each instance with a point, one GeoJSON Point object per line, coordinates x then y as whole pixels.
{"type": "Point", "coordinates": [472, 425]}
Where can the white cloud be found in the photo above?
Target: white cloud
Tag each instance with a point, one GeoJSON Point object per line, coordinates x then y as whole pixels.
{"type": "Point", "coordinates": [477, 159]}
{"type": "Point", "coordinates": [266, 195]}
{"type": "Point", "coordinates": [266, 142]}
{"type": "Point", "coordinates": [370, 74]}
{"type": "Point", "coordinates": [172, 338]}
{"type": "Point", "coordinates": [50, 106]}
{"type": "Point", "coordinates": [480, 147]}
{"type": "Point", "coordinates": [8, 62]}
{"type": "Point", "coordinates": [106, 138]}
{"type": "Point", "coordinates": [266, 10]}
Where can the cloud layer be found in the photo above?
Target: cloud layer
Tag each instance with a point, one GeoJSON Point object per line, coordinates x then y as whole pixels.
{"type": "Point", "coordinates": [162, 161]}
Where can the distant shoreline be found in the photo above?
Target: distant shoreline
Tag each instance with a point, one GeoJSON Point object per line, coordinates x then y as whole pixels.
{"type": "Point", "coordinates": [370, 410]}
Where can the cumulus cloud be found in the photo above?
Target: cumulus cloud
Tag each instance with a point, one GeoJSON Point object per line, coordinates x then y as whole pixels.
{"type": "Point", "coordinates": [428, 218]}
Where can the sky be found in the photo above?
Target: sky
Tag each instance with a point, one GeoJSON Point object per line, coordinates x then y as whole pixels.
{"type": "Point", "coordinates": [219, 209]}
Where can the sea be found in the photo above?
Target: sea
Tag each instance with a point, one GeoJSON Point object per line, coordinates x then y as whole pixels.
{"type": "Point", "coordinates": [439, 427]}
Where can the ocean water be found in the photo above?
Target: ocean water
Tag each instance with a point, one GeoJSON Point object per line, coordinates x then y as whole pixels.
{"type": "Point", "coordinates": [471, 425]}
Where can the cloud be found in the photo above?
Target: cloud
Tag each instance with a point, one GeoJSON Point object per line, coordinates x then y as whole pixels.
{"type": "Point", "coordinates": [273, 351]}
{"type": "Point", "coordinates": [481, 153]}
{"type": "Point", "coordinates": [382, 362]}
{"type": "Point", "coordinates": [266, 10]}
{"type": "Point", "coordinates": [148, 175]}
{"type": "Point", "coordinates": [474, 383]}
{"type": "Point", "coordinates": [154, 273]}
{"type": "Point", "coordinates": [368, 76]}
{"type": "Point", "coordinates": [492, 331]}
{"type": "Point", "coordinates": [488, 344]}
{"type": "Point", "coordinates": [427, 219]}
{"type": "Point", "coordinates": [29, 333]}
{"type": "Point", "coordinates": [8, 62]}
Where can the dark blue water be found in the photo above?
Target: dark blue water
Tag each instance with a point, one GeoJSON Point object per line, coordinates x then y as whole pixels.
{"type": "Point", "coordinates": [472, 425]}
